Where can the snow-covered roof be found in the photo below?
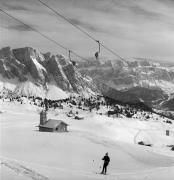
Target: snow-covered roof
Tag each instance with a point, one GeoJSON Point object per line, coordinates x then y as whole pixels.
{"type": "Point", "coordinates": [52, 123]}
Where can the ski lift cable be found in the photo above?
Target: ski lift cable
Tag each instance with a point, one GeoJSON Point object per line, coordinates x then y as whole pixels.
{"type": "Point", "coordinates": [112, 52]}
{"type": "Point", "coordinates": [66, 19]}
{"type": "Point", "coordinates": [80, 29]}
{"type": "Point", "coordinates": [42, 34]}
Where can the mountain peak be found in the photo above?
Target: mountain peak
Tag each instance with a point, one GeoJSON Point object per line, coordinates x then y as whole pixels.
{"type": "Point", "coordinates": [5, 52]}
{"type": "Point", "coordinates": [36, 72]}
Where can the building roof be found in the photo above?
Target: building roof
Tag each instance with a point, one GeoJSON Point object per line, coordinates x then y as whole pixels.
{"type": "Point", "coordinates": [52, 123]}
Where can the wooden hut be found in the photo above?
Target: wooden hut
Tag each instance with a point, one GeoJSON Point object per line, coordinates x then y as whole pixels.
{"type": "Point", "coordinates": [51, 125]}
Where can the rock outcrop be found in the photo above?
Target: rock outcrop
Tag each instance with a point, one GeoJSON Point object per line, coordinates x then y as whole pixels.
{"type": "Point", "coordinates": [33, 72]}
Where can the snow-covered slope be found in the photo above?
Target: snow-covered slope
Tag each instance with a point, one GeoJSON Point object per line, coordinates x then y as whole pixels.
{"type": "Point", "coordinates": [26, 153]}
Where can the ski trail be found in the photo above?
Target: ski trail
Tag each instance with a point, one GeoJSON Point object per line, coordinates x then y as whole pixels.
{"type": "Point", "coordinates": [17, 166]}
{"type": "Point", "coordinates": [22, 170]}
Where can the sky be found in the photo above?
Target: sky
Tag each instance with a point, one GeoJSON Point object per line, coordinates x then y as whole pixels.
{"type": "Point", "coordinates": [131, 28]}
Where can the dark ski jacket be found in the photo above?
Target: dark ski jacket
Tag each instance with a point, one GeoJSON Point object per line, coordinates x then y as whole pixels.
{"type": "Point", "coordinates": [106, 159]}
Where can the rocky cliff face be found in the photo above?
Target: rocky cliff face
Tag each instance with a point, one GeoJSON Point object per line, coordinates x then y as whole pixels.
{"type": "Point", "coordinates": [29, 72]}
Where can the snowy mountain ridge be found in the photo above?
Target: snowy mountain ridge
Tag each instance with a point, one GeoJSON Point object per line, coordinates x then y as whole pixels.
{"type": "Point", "coordinates": [152, 82]}
{"type": "Point", "coordinates": [122, 75]}
{"type": "Point", "coordinates": [26, 71]}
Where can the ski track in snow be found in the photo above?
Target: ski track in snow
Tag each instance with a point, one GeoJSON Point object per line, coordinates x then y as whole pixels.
{"type": "Point", "coordinates": [18, 167]}
{"type": "Point", "coordinates": [22, 170]}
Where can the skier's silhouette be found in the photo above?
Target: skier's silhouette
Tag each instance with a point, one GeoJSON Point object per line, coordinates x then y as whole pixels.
{"type": "Point", "coordinates": [106, 160]}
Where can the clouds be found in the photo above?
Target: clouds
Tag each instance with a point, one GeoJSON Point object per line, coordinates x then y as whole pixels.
{"type": "Point", "coordinates": [19, 27]}
{"type": "Point", "coordinates": [86, 25]}
{"type": "Point", "coordinates": [13, 5]}
{"type": "Point", "coordinates": [130, 27]}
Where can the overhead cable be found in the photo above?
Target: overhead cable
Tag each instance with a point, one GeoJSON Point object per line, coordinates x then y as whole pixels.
{"type": "Point", "coordinates": [79, 28]}
{"type": "Point", "coordinates": [42, 34]}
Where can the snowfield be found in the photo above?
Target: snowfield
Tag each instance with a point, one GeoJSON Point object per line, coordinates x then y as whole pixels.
{"type": "Point", "coordinates": [26, 153]}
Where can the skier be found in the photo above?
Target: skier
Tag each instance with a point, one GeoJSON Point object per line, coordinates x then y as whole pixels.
{"type": "Point", "coordinates": [106, 160]}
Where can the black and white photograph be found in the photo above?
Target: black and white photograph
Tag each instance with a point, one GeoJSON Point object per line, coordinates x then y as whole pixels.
{"type": "Point", "coordinates": [86, 89]}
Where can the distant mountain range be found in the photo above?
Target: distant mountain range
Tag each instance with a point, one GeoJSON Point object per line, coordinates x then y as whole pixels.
{"type": "Point", "coordinates": [140, 80]}
{"type": "Point", "coordinates": [26, 71]}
